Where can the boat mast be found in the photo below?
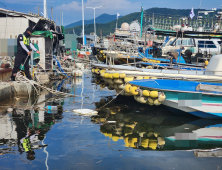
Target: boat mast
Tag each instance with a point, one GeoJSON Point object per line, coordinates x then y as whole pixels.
{"type": "Point", "coordinates": [141, 21]}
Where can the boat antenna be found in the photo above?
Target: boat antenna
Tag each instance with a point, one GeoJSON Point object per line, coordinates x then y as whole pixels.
{"type": "Point", "coordinates": [198, 13]}
{"type": "Point", "coordinates": [3, 4]}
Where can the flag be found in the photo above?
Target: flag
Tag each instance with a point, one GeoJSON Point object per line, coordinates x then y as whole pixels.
{"type": "Point", "coordinates": [192, 14]}
{"type": "Point", "coordinates": [118, 15]}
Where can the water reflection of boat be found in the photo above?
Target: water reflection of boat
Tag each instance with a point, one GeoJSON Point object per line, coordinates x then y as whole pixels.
{"type": "Point", "coordinates": [154, 130]}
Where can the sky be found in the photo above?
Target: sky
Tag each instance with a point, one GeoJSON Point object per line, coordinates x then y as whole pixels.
{"type": "Point", "coordinates": [72, 10]}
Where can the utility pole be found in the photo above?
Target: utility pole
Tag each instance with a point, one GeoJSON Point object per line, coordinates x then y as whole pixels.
{"type": "Point", "coordinates": [44, 6]}
{"type": "Point", "coordinates": [94, 8]}
{"type": "Point", "coordinates": [38, 9]}
{"type": "Point", "coordinates": [83, 34]}
{"type": "Point", "coordinates": [60, 19]}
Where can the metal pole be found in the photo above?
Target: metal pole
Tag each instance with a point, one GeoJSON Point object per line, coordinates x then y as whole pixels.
{"type": "Point", "coordinates": [62, 18]}
{"type": "Point", "coordinates": [38, 9]}
{"type": "Point", "coordinates": [52, 13]}
{"type": "Point", "coordinates": [83, 35]}
{"type": "Point", "coordinates": [44, 6]}
{"type": "Point", "coordinates": [95, 24]}
{"type": "Point", "coordinates": [32, 53]}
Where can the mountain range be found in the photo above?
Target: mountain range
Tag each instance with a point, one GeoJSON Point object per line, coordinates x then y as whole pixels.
{"type": "Point", "coordinates": [102, 19]}
{"type": "Point", "coordinates": [109, 27]}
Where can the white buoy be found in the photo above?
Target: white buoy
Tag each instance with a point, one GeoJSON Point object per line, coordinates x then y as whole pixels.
{"type": "Point", "coordinates": [9, 110]}
{"type": "Point", "coordinates": [85, 112]}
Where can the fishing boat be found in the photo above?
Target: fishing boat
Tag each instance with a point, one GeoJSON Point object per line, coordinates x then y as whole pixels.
{"type": "Point", "coordinates": [201, 99]}
{"type": "Point", "coordinates": [212, 73]}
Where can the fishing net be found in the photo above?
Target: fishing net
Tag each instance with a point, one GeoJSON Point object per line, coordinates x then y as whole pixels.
{"type": "Point", "coordinates": [44, 33]}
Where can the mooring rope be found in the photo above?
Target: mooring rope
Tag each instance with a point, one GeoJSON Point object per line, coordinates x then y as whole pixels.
{"type": "Point", "coordinates": [22, 78]}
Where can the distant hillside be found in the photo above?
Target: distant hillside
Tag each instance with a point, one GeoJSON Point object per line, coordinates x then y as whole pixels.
{"type": "Point", "coordinates": [108, 28]}
{"type": "Point", "coordinates": [102, 19]}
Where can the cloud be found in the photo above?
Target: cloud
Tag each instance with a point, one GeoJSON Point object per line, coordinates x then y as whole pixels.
{"type": "Point", "coordinates": [111, 6]}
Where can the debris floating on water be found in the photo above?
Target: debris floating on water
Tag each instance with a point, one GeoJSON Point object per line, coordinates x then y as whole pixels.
{"type": "Point", "coordinates": [85, 112]}
{"type": "Point", "coordinates": [9, 110]}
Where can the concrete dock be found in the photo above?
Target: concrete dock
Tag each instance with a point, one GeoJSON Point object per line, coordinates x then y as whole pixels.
{"type": "Point", "coordinates": [18, 89]}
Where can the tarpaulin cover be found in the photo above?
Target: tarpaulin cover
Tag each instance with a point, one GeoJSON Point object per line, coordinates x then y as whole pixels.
{"type": "Point", "coordinates": [43, 33]}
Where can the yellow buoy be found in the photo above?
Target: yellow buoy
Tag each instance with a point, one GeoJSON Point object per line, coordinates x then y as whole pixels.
{"type": "Point", "coordinates": [122, 75]}
{"type": "Point", "coordinates": [156, 134]}
{"type": "Point", "coordinates": [110, 76]}
{"type": "Point", "coordinates": [157, 102]}
{"type": "Point", "coordinates": [150, 67]}
{"type": "Point", "coordinates": [133, 90]}
{"type": "Point", "coordinates": [97, 71]}
{"type": "Point", "coordinates": [112, 112]}
{"type": "Point", "coordinates": [121, 86]}
{"type": "Point", "coordinates": [102, 120]}
{"type": "Point", "coordinates": [110, 81]}
{"type": "Point", "coordinates": [161, 141]}
{"type": "Point", "coordinates": [102, 71]}
{"type": "Point", "coordinates": [206, 62]}
{"type": "Point", "coordinates": [118, 81]}
{"type": "Point", "coordinates": [153, 78]}
{"type": "Point", "coordinates": [142, 99]}
{"type": "Point", "coordinates": [146, 93]}
{"type": "Point", "coordinates": [126, 140]}
{"type": "Point", "coordinates": [161, 97]}
{"type": "Point", "coordinates": [115, 138]}
{"type": "Point", "coordinates": [150, 134]}
{"type": "Point", "coordinates": [127, 88]}
{"type": "Point", "coordinates": [144, 142]}
{"type": "Point", "coordinates": [127, 79]}
{"type": "Point", "coordinates": [115, 75]}
{"type": "Point", "coordinates": [115, 86]}
{"type": "Point", "coordinates": [139, 78]}
{"type": "Point", "coordinates": [97, 81]}
{"type": "Point", "coordinates": [132, 142]}
{"type": "Point", "coordinates": [136, 98]}
{"type": "Point", "coordinates": [93, 70]}
{"type": "Point", "coordinates": [154, 94]}
{"type": "Point", "coordinates": [110, 87]}
{"type": "Point", "coordinates": [151, 104]}
{"type": "Point", "coordinates": [109, 135]}
{"type": "Point", "coordinates": [146, 77]}
{"type": "Point", "coordinates": [102, 85]}
{"type": "Point", "coordinates": [106, 75]}
{"type": "Point", "coordinates": [150, 100]}
{"type": "Point", "coordinates": [102, 74]}
{"type": "Point", "coordinates": [153, 144]}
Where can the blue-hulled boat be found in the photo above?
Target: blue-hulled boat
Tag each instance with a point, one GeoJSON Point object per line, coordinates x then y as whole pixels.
{"type": "Point", "coordinates": [201, 99]}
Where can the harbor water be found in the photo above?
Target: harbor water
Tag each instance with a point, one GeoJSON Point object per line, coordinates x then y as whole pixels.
{"type": "Point", "coordinates": [124, 135]}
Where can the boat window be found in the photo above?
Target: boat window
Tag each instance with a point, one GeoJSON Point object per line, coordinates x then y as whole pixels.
{"type": "Point", "coordinates": [206, 44]}
{"type": "Point", "coordinates": [219, 42]}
